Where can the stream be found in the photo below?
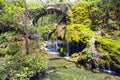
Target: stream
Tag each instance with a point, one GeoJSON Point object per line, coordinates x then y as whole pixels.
{"type": "Point", "coordinates": [61, 69]}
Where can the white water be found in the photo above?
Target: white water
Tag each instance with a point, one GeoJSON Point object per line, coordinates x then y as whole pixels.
{"type": "Point", "coordinates": [67, 54]}
{"type": "Point", "coordinates": [56, 45]}
{"type": "Point", "coordinates": [109, 69]}
{"type": "Point", "coordinates": [50, 47]}
{"type": "Point", "coordinates": [97, 54]}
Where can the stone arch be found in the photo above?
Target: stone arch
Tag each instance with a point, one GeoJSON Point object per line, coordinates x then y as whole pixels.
{"type": "Point", "coordinates": [49, 9]}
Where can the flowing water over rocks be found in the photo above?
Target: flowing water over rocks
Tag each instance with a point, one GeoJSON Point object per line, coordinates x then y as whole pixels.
{"type": "Point", "coordinates": [61, 69]}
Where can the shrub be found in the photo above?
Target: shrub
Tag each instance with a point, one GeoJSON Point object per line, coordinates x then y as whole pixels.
{"type": "Point", "coordinates": [102, 63]}
{"type": "Point", "coordinates": [9, 49]}
{"type": "Point", "coordinates": [36, 62]}
{"type": "Point", "coordinates": [110, 53]}
{"type": "Point", "coordinates": [23, 67]}
{"type": "Point", "coordinates": [8, 44]}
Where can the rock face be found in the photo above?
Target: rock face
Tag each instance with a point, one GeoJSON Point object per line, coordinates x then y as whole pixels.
{"type": "Point", "coordinates": [60, 30]}
{"type": "Point", "coordinates": [92, 43]}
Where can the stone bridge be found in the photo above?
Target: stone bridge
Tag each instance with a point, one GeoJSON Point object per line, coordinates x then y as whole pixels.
{"type": "Point", "coordinates": [34, 15]}
{"type": "Point", "coordinates": [60, 9]}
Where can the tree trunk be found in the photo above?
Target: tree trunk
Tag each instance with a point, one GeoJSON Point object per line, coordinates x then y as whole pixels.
{"type": "Point", "coordinates": [26, 41]}
{"type": "Point", "coordinates": [26, 29]}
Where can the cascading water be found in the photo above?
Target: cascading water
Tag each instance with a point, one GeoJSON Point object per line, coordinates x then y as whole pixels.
{"type": "Point", "coordinates": [109, 69]}
{"type": "Point", "coordinates": [109, 64]}
{"type": "Point", "coordinates": [67, 54]}
{"type": "Point", "coordinates": [47, 37]}
{"type": "Point", "coordinates": [56, 45]}
{"type": "Point", "coordinates": [106, 70]}
{"type": "Point", "coordinates": [97, 54]}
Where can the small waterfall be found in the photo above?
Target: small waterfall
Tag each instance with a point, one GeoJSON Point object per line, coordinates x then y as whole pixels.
{"type": "Point", "coordinates": [98, 66]}
{"type": "Point", "coordinates": [47, 37]}
{"type": "Point", "coordinates": [56, 45]}
{"type": "Point", "coordinates": [67, 54]}
{"type": "Point", "coordinates": [109, 69]}
{"type": "Point", "coordinates": [104, 69]}
{"type": "Point", "coordinates": [108, 63]}
{"type": "Point", "coordinates": [53, 46]}
{"type": "Point", "coordinates": [97, 54]}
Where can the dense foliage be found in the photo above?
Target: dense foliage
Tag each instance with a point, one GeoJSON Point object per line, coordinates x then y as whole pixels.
{"type": "Point", "coordinates": [8, 46]}
{"type": "Point", "coordinates": [79, 27]}
{"type": "Point", "coordinates": [84, 20]}
{"type": "Point", "coordinates": [14, 63]}
{"type": "Point", "coordinates": [23, 67]}
{"type": "Point", "coordinates": [110, 50]}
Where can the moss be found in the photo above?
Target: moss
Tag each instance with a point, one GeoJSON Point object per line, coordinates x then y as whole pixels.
{"type": "Point", "coordinates": [53, 36]}
{"type": "Point", "coordinates": [110, 52]}
{"type": "Point", "coordinates": [96, 71]}
{"type": "Point", "coordinates": [74, 55]}
{"type": "Point", "coordinates": [116, 59]}
{"type": "Point", "coordinates": [117, 66]}
{"type": "Point", "coordinates": [78, 32]}
{"type": "Point", "coordinates": [107, 45]}
{"type": "Point", "coordinates": [102, 62]}
{"type": "Point", "coordinates": [63, 51]}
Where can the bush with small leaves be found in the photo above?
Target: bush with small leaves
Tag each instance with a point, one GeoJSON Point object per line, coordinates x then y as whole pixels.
{"type": "Point", "coordinates": [23, 67]}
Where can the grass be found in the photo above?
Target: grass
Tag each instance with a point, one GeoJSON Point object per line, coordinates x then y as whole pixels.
{"type": "Point", "coordinates": [65, 70]}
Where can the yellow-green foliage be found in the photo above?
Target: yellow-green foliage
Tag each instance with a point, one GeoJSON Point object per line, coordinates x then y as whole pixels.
{"type": "Point", "coordinates": [87, 16]}
{"type": "Point", "coordinates": [74, 55]}
{"type": "Point", "coordinates": [79, 15]}
{"type": "Point", "coordinates": [63, 51]}
{"type": "Point", "coordinates": [110, 50]}
{"type": "Point", "coordinates": [53, 36]}
{"type": "Point", "coordinates": [80, 23]}
{"type": "Point", "coordinates": [8, 13]}
{"type": "Point", "coordinates": [109, 45]}
{"type": "Point", "coordinates": [102, 63]}
{"type": "Point", "coordinates": [78, 32]}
